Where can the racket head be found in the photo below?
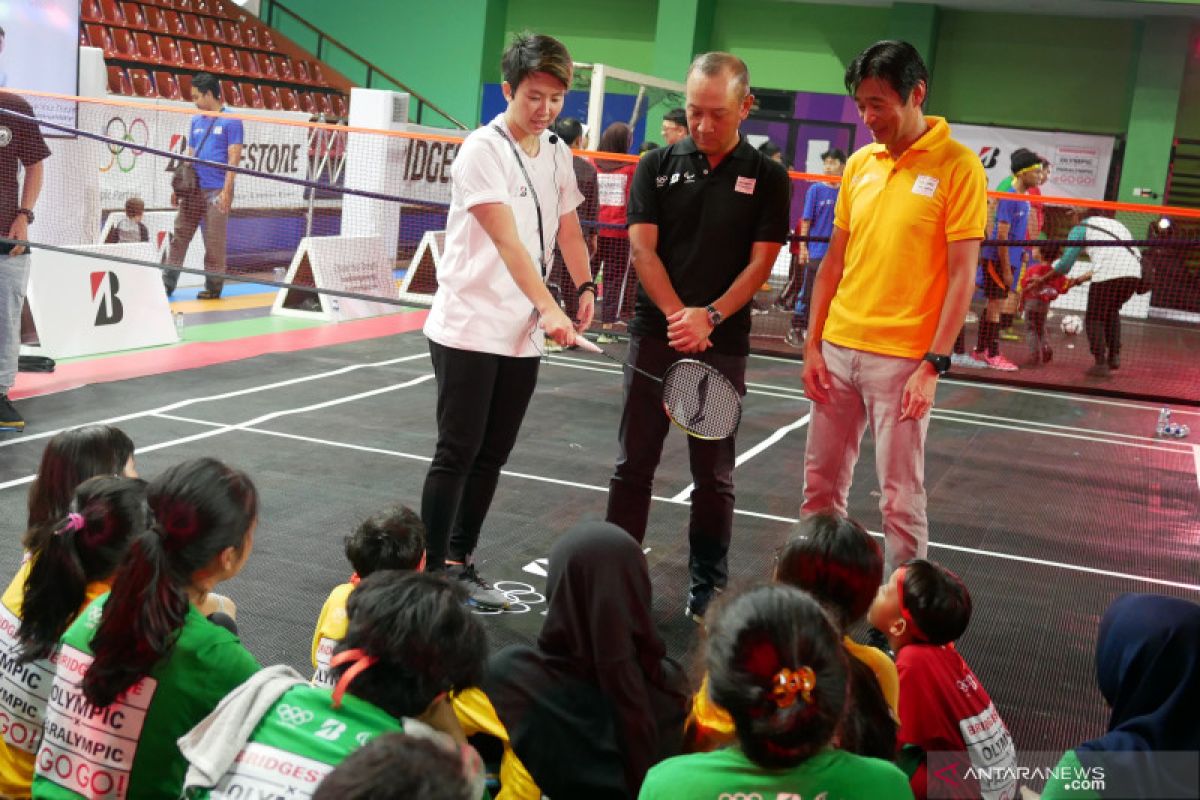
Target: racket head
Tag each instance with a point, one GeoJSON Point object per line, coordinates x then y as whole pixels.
{"type": "Point", "coordinates": [700, 400]}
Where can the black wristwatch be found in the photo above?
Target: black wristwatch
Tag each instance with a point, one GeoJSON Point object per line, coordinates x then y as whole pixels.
{"type": "Point", "coordinates": [28, 212]}
{"type": "Point", "coordinates": [714, 316]}
{"type": "Point", "coordinates": [940, 363]}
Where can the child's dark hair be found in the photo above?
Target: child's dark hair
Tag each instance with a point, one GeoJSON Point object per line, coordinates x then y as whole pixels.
{"type": "Point", "coordinates": [896, 63]}
{"type": "Point", "coordinates": [207, 83]}
{"type": "Point", "coordinates": [867, 727]}
{"type": "Point", "coordinates": [837, 561]}
{"type": "Point", "coordinates": [835, 154]}
{"type": "Point", "coordinates": [392, 539]}
{"type": "Point", "coordinates": [425, 639]}
{"type": "Point", "coordinates": [757, 635]}
{"type": "Point", "coordinates": [198, 509]}
{"type": "Point", "coordinates": [396, 766]}
{"type": "Point", "coordinates": [70, 458]}
{"type": "Point", "coordinates": [82, 548]}
{"type": "Point", "coordinates": [937, 600]}
{"type": "Point", "coordinates": [134, 206]}
{"type": "Point", "coordinates": [534, 52]}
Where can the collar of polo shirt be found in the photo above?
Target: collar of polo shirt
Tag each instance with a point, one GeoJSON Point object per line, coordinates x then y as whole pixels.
{"type": "Point", "coordinates": [687, 146]}
{"type": "Point", "coordinates": [937, 135]}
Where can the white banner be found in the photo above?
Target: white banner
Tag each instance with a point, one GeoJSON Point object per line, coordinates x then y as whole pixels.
{"type": "Point", "coordinates": [125, 172]}
{"type": "Point", "coordinates": [1079, 162]}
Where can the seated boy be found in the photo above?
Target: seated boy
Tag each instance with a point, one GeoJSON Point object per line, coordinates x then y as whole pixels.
{"type": "Point", "coordinates": [130, 228]}
{"type": "Point", "coordinates": [393, 539]}
{"type": "Point", "coordinates": [947, 720]}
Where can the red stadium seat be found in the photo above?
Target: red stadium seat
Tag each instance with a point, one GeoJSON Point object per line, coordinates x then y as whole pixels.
{"type": "Point", "coordinates": [134, 17]}
{"type": "Point", "coordinates": [90, 11]}
{"type": "Point", "coordinates": [189, 52]}
{"type": "Point", "coordinates": [270, 96]}
{"type": "Point", "coordinates": [324, 105]}
{"type": "Point", "coordinates": [142, 85]}
{"type": "Point", "coordinates": [193, 26]}
{"type": "Point", "coordinates": [340, 106]}
{"type": "Point", "coordinates": [308, 103]}
{"type": "Point", "coordinates": [146, 47]}
{"type": "Point", "coordinates": [318, 74]}
{"type": "Point", "coordinates": [185, 86]}
{"type": "Point", "coordinates": [168, 51]}
{"type": "Point", "coordinates": [168, 86]}
{"type": "Point", "coordinates": [208, 54]}
{"type": "Point", "coordinates": [284, 67]}
{"type": "Point", "coordinates": [266, 66]}
{"type": "Point", "coordinates": [302, 73]}
{"type": "Point", "coordinates": [268, 41]}
{"type": "Point", "coordinates": [229, 61]}
{"type": "Point", "coordinates": [154, 19]}
{"type": "Point", "coordinates": [231, 93]}
{"type": "Point", "coordinates": [288, 99]}
{"type": "Point", "coordinates": [252, 96]}
{"type": "Point", "coordinates": [213, 29]}
{"type": "Point", "coordinates": [83, 40]}
{"type": "Point", "coordinates": [185, 5]}
{"type": "Point", "coordinates": [233, 33]}
{"type": "Point", "coordinates": [249, 35]}
{"type": "Point", "coordinates": [123, 43]}
{"type": "Point", "coordinates": [249, 63]}
{"type": "Point", "coordinates": [112, 12]}
{"type": "Point", "coordinates": [118, 81]}
{"type": "Point", "coordinates": [99, 36]}
{"type": "Point", "coordinates": [175, 25]}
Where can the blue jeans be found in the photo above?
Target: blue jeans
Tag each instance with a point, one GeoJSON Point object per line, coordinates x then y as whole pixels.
{"type": "Point", "coordinates": [644, 426]}
{"type": "Point", "coordinates": [14, 280]}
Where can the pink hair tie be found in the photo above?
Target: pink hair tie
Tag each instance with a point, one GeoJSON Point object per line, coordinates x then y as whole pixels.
{"type": "Point", "coordinates": [74, 523]}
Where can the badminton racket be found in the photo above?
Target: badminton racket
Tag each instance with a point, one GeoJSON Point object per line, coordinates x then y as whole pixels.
{"type": "Point", "coordinates": [696, 397]}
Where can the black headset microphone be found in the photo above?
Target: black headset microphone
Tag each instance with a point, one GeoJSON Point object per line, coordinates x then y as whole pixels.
{"type": "Point", "coordinates": [553, 138]}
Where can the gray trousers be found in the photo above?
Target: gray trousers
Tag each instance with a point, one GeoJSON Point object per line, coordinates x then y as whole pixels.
{"type": "Point", "coordinates": [866, 390]}
{"type": "Point", "coordinates": [199, 210]}
{"type": "Point", "coordinates": [14, 280]}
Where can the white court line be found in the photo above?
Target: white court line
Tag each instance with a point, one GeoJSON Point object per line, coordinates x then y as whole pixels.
{"type": "Point", "coordinates": [1082, 398]}
{"type": "Point", "coordinates": [1196, 456]}
{"type": "Point", "coordinates": [1020, 425]}
{"type": "Point", "coordinates": [737, 511]}
{"type": "Point", "coordinates": [208, 398]}
{"type": "Point", "coordinates": [753, 451]}
{"type": "Point", "coordinates": [220, 428]}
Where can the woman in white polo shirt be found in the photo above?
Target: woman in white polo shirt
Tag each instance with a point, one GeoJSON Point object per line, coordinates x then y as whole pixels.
{"type": "Point", "coordinates": [513, 194]}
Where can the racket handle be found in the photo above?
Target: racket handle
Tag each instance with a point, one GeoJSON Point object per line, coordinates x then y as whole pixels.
{"type": "Point", "coordinates": [584, 343]}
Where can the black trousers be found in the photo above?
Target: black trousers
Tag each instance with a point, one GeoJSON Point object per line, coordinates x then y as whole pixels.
{"type": "Point", "coordinates": [1102, 320]}
{"type": "Point", "coordinates": [643, 428]}
{"type": "Point", "coordinates": [481, 400]}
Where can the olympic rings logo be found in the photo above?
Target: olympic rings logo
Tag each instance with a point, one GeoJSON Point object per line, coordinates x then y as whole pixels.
{"type": "Point", "coordinates": [740, 796]}
{"type": "Point", "coordinates": [521, 598]}
{"type": "Point", "coordinates": [122, 157]}
{"type": "Point", "coordinates": [293, 716]}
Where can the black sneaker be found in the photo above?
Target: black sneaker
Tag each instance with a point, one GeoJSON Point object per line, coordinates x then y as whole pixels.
{"type": "Point", "coordinates": [10, 418]}
{"type": "Point", "coordinates": [480, 593]}
{"type": "Point", "coordinates": [697, 604]}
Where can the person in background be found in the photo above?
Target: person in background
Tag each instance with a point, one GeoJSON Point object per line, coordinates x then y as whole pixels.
{"type": "Point", "coordinates": [586, 710]}
{"type": "Point", "coordinates": [647, 147]}
{"type": "Point", "coordinates": [1148, 671]}
{"type": "Point", "coordinates": [570, 132]}
{"type": "Point", "coordinates": [772, 151]}
{"type": "Point", "coordinates": [391, 540]}
{"type": "Point", "coordinates": [674, 126]}
{"type": "Point", "coordinates": [144, 652]}
{"type": "Point", "coordinates": [215, 139]}
{"type": "Point", "coordinates": [923, 608]}
{"type": "Point", "coordinates": [1040, 286]}
{"type": "Point", "coordinates": [615, 177]}
{"type": "Point", "coordinates": [816, 220]}
{"type": "Point", "coordinates": [776, 665]}
{"type": "Point", "coordinates": [21, 148]}
{"type": "Point", "coordinates": [1117, 274]}
{"type": "Point", "coordinates": [130, 228]}
{"type": "Point", "coordinates": [74, 566]}
{"type": "Point", "coordinates": [396, 766]}
{"type": "Point", "coordinates": [412, 643]}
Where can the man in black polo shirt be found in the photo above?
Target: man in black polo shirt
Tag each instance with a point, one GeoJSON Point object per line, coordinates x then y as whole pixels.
{"type": "Point", "coordinates": [707, 216]}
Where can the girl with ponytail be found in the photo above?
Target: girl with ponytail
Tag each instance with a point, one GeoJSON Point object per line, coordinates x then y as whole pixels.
{"type": "Point", "coordinates": [776, 664]}
{"type": "Point", "coordinates": [142, 665]}
{"type": "Point", "coordinates": [72, 566]}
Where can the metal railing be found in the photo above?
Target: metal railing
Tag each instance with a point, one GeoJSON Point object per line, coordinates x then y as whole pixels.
{"type": "Point", "coordinates": [373, 73]}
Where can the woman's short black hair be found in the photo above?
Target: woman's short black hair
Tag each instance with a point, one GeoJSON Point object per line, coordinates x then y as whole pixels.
{"type": "Point", "coordinates": [937, 599]}
{"type": "Point", "coordinates": [392, 539]}
{"type": "Point", "coordinates": [425, 639]}
{"type": "Point", "coordinates": [534, 52]}
{"type": "Point", "coordinates": [895, 62]}
{"type": "Point", "coordinates": [837, 561]}
{"type": "Point", "coordinates": [756, 635]}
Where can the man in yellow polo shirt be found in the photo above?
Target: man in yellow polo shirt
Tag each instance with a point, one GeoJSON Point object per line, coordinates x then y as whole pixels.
{"type": "Point", "coordinates": [890, 296]}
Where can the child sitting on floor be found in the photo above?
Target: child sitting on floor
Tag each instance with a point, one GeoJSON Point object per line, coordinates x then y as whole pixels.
{"type": "Point", "coordinates": [946, 716]}
{"type": "Point", "coordinates": [130, 228]}
{"type": "Point", "coordinates": [393, 539]}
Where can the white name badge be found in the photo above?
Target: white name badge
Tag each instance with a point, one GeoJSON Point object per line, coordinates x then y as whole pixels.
{"type": "Point", "coordinates": [745, 185]}
{"type": "Point", "coordinates": [925, 185]}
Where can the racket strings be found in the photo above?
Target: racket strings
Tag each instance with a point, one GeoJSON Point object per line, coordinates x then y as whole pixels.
{"type": "Point", "coordinates": [702, 401]}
